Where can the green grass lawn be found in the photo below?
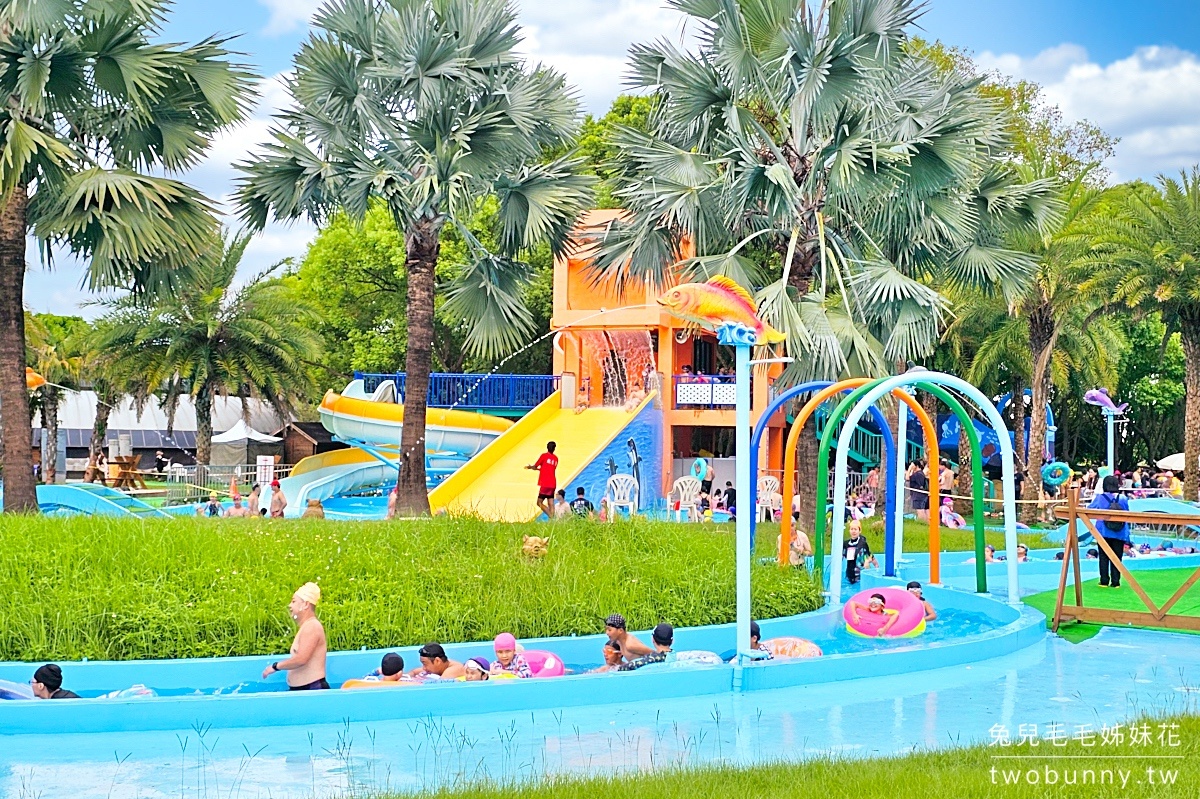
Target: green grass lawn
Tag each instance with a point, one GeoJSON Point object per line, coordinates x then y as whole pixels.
{"type": "Point", "coordinates": [1159, 585]}
{"type": "Point", "coordinates": [112, 588]}
{"type": "Point", "coordinates": [966, 773]}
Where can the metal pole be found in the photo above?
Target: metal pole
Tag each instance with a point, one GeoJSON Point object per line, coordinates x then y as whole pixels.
{"type": "Point", "coordinates": [744, 477]}
{"type": "Point", "coordinates": [1111, 418]}
{"type": "Point", "coordinates": [901, 466]}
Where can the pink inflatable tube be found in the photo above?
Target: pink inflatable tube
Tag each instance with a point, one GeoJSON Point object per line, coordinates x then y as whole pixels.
{"type": "Point", "coordinates": [543, 663]}
{"type": "Point", "coordinates": [910, 623]}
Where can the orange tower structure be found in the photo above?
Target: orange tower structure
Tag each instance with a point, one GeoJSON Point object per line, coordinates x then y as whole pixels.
{"type": "Point", "coordinates": [611, 346]}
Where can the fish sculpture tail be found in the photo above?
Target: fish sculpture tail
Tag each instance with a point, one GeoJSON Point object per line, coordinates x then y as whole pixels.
{"type": "Point", "coordinates": [771, 336]}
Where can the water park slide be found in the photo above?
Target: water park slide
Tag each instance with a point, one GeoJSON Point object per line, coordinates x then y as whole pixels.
{"type": "Point", "coordinates": [495, 485]}
{"type": "Point", "coordinates": [91, 499]}
{"type": "Point", "coordinates": [451, 437]}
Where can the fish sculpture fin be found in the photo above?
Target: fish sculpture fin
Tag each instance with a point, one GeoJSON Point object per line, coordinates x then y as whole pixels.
{"type": "Point", "coordinates": [770, 335]}
{"type": "Point", "coordinates": [732, 287]}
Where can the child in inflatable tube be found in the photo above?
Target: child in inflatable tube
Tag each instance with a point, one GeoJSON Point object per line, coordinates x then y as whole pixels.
{"type": "Point", "coordinates": [884, 613]}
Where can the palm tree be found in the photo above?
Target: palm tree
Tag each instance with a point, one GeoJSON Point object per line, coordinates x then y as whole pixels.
{"type": "Point", "coordinates": [815, 154]}
{"type": "Point", "coordinates": [426, 106]}
{"type": "Point", "coordinates": [1154, 246]}
{"type": "Point", "coordinates": [53, 344]}
{"type": "Point", "coordinates": [94, 113]}
{"type": "Point", "coordinates": [1048, 327]}
{"type": "Point", "coordinates": [210, 339]}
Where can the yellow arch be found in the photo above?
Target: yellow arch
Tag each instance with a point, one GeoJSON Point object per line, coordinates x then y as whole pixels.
{"type": "Point", "coordinates": [789, 467]}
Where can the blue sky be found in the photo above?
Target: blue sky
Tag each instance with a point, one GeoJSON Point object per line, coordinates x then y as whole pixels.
{"type": "Point", "coordinates": [1130, 67]}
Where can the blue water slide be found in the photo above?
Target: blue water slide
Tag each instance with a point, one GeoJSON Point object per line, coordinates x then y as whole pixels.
{"type": "Point", "coordinates": [92, 500]}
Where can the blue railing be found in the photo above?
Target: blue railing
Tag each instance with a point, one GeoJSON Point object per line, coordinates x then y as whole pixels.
{"type": "Point", "coordinates": [474, 391]}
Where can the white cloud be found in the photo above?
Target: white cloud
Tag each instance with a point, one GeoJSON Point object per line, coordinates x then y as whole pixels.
{"type": "Point", "coordinates": [287, 15]}
{"type": "Point", "coordinates": [588, 40]}
{"type": "Point", "coordinates": [1151, 100]}
{"type": "Point", "coordinates": [61, 289]}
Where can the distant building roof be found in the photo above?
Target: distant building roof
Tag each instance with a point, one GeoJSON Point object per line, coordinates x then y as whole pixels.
{"type": "Point", "coordinates": [313, 431]}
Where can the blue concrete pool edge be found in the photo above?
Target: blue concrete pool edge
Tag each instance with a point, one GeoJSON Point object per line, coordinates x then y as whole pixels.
{"type": "Point", "coordinates": [1020, 627]}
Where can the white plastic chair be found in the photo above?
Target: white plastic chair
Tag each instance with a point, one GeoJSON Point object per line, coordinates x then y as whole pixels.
{"type": "Point", "coordinates": [688, 491]}
{"type": "Point", "coordinates": [768, 487]}
{"type": "Point", "coordinates": [621, 491]}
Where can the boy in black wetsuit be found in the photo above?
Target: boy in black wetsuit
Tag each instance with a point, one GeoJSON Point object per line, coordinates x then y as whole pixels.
{"type": "Point", "coordinates": [855, 551]}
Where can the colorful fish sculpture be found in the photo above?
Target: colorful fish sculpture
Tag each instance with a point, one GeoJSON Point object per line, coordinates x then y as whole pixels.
{"type": "Point", "coordinates": [717, 302]}
{"type": "Point", "coordinates": [1100, 398]}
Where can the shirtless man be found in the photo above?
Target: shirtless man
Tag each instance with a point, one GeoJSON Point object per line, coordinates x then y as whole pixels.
{"type": "Point", "coordinates": [278, 501]}
{"type": "Point", "coordinates": [306, 666]}
{"type": "Point", "coordinates": [238, 511]}
{"type": "Point", "coordinates": [627, 644]}
{"type": "Point", "coordinates": [253, 500]}
{"type": "Point", "coordinates": [436, 663]}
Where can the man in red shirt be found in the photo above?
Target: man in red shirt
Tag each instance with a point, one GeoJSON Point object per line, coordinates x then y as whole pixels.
{"type": "Point", "coordinates": [546, 463]}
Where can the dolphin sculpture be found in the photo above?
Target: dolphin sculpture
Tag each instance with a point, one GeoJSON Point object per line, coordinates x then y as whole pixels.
{"type": "Point", "coordinates": [1099, 397]}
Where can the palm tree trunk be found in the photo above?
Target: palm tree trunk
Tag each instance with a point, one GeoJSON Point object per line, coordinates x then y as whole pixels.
{"type": "Point", "coordinates": [421, 247]}
{"type": "Point", "coordinates": [966, 481]}
{"type": "Point", "coordinates": [1041, 341]}
{"type": "Point", "coordinates": [1189, 335]}
{"type": "Point", "coordinates": [1017, 405]}
{"type": "Point", "coordinates": [204, 429]}
{"type": "Point", "coordinates": [104, 401]}
{"type": "Point", "coordinates": [50, 398]}
{"type": "Point", "coordinates": [20, 488]}
{"type": "Point", "coordinates": [809, 505]}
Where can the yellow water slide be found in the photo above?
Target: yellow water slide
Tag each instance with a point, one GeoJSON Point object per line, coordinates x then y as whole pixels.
{"type": "Point", "coordinates": [495, 484]}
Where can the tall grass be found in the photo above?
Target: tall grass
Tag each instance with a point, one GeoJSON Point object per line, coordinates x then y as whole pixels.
{"type": "Point", "coordinates": [107, 588]}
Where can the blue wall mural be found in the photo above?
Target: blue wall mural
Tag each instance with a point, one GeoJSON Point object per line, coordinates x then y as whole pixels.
{"type": "Point", "coordinates": [636, 451]}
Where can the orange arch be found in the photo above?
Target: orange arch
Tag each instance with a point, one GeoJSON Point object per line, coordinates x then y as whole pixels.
{"type": "Point", "coordinates": [789, 467]}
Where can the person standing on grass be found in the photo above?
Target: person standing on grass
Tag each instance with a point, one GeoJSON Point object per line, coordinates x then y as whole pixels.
{"type": "Point", "coordinates": [278, 501]}
{"type": "Point", "coordinates": [1116, 533]}
{"type": "Point", "coordinates": [918, 487]}
{"type": "Point", "coordinates": [545, 466]}
{"type": "Point", "coordinates": [306, 665]}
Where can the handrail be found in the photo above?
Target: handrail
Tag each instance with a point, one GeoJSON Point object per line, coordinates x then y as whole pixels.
{"type": "Point", "coordinates": [467, 391]}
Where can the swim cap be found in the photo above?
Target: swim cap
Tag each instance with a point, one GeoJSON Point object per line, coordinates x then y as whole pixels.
{"type": "Point", "coordinates": [392, 664]}
{"type": "Point", "coordinates": [310, 593]}
{"type": "Point", "coordinates": [477, 664]}
{"type": "Point", "coordinates": [663, 634]}
{"type": "Point", "coordinates": [50, 676]}
{"type": "Point", "coordinates": [505, 641]}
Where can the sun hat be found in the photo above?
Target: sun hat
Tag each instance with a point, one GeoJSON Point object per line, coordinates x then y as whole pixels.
{"type": "Point", "coordinates": [504, 641]}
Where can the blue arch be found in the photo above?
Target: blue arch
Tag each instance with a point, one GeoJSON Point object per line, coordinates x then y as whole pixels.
{"type": "Point", "coordinates": [889, 446]}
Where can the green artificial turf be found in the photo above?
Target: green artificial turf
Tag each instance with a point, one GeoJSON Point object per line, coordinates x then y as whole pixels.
{"type": "Point", "coordinates": [1159, 585]}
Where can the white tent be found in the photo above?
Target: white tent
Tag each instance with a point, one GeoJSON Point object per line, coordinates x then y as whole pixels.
{"type": "Point", "coordinates": [242, 444]}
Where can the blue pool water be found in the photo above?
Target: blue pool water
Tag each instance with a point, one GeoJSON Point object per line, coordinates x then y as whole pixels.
{"type": "Point", "coordinates": [1114, 676]}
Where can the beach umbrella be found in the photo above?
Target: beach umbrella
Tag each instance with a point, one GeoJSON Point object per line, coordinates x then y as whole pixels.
{"type": "Point", "coordinates": [1173, 463]}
